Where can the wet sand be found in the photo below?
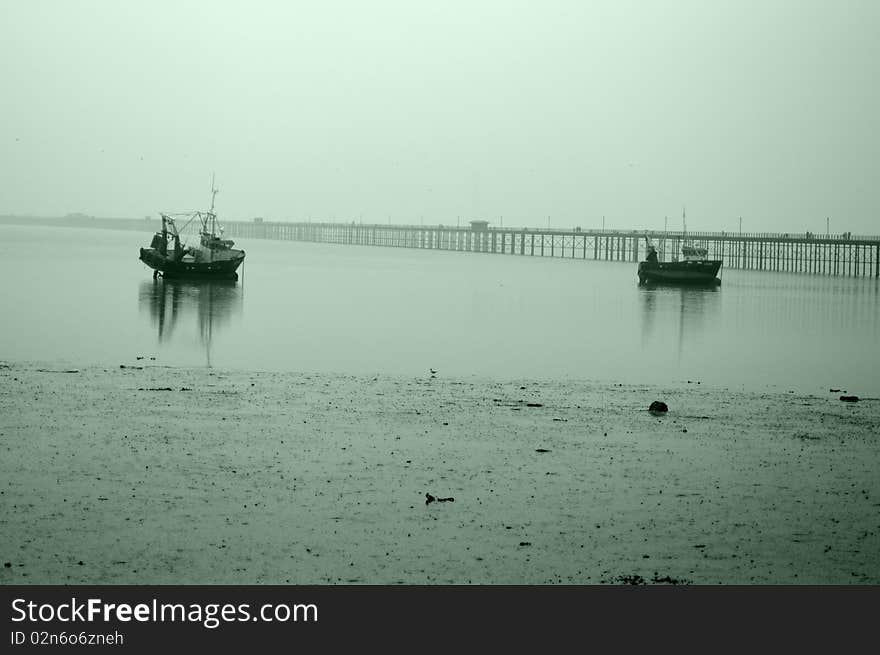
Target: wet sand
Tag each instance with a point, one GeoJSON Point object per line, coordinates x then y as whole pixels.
{"type": "Point", "coordinates": [160, 475]}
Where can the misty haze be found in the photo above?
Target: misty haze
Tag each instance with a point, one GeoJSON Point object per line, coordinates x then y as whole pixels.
{"type": "Point", "coordinates": [404, 111]}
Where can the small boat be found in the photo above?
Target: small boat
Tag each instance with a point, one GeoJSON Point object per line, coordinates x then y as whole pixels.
{"type": "Point", "coordinates": [695, 267]}
{"type": "Point", "coordinates": [213, 257]}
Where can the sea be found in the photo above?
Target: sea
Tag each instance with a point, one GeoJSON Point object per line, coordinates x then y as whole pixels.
{"type": "Point", "coordinates": [80, 297]}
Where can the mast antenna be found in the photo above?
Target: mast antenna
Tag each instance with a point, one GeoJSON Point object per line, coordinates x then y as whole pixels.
{"type": "Point", "coordinates": [213, 192]}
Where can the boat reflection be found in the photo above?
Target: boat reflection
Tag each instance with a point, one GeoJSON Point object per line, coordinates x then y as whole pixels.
{"type": "Point", "coordinates": [170, 302]}
{"type": "Point", "coordinates": [692, 306]}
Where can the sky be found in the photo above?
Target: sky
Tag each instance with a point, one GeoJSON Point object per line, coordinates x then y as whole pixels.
{"type": "Point", "coordinates": [524, 113]}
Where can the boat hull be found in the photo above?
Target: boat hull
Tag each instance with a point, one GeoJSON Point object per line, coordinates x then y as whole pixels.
{"type": "Point", "coordinates": [685, 272]}
{"type": "Point", "coordinates": [225, 269]}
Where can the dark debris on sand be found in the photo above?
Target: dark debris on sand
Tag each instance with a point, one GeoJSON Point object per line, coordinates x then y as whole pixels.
{"type": "Point", "coordinates": [636, 580]}
{"type": "Point", "coordinates": [430, 499]}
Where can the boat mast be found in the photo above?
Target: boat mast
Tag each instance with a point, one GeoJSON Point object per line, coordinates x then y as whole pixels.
{"type": "Point", "coordinates": [211, 213]}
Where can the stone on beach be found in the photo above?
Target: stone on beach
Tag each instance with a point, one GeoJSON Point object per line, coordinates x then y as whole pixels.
{"type": "Point", "coordinates": [658, 407]}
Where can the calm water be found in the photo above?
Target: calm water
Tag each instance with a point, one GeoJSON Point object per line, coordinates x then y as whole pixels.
{"type": "Point", "coordinates": [77, 297]}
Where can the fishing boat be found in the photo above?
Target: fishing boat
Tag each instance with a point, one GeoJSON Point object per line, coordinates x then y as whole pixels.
{"type": "Point", "coordinates": [694, 267]}
{"type": "Point", "coordinates": [213, 257]}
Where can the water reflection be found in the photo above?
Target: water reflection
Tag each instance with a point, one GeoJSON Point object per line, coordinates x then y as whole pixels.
{"type": "Point", "coordinates": [170, 302]}
{"type": "Point", "coordinates": [822, 305]}
{"type": "Point", "coordinates": [687, 307]}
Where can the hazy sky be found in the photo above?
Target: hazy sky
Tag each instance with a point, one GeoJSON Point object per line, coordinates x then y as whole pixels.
{"type": "Point", "coordinates": [412, 111]}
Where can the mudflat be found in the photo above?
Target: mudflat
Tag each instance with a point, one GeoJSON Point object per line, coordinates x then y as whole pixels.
{"type": "Point", "coordinates": [145, 474]}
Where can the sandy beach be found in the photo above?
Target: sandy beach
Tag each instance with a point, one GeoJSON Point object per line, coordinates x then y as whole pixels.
{"type": "Point", "coordinates": [143, 474]}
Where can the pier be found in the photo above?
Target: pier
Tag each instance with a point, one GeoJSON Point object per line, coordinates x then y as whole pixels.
{"type": "Point", "coordinates": [806, 253]}
{"type": "Point", "coordinates": [841, 254]}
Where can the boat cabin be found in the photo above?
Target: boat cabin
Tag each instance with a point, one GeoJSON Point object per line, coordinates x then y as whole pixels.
{"type": "Point", "coordinates": [479, 226]}
{"type": "Point", "coordinates": [694, 254]}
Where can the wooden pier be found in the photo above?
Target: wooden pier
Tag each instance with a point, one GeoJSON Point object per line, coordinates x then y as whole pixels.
{"type": "Point", "coordinates": [842, 254]}
{"type": "Point", "coordinates": [837, 255]}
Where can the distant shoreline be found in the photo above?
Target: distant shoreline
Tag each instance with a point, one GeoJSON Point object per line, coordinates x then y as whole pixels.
{"type": "Point", "coordinates": [160, 475]}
